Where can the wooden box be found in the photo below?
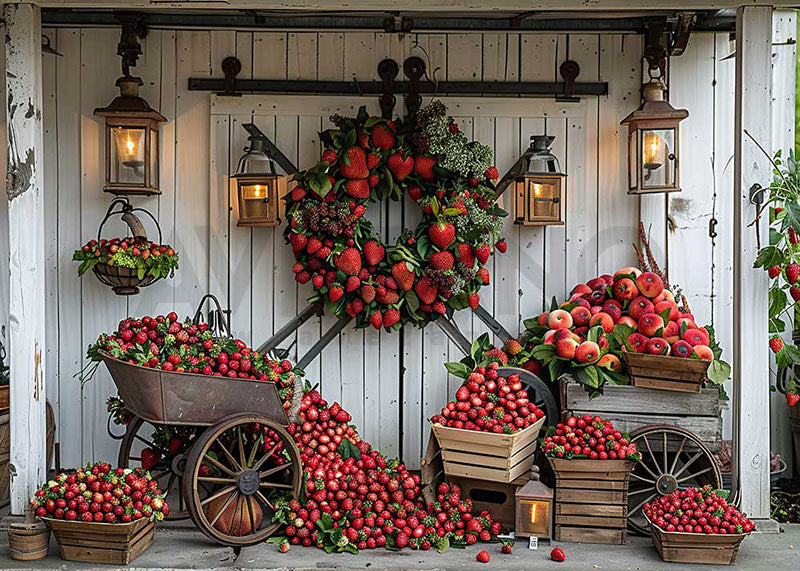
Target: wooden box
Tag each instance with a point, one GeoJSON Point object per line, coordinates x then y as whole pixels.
{"type": "Point", "coordinates": [28, 541]}
{"type": "Point", "coordinates": [486, 455]}
{"type": "Point", "coordinates": [497, 498]}
{"type": "Point", "coordinates": [114, 543]}
{"type": "Point", "coordinates": [591, 500]}
{"type": "Point", "coordinates": [665, 373]}
{"type": "Point", "coordinates": [630, 408]}
{"type": "Point", "coordinates": [681, 547]}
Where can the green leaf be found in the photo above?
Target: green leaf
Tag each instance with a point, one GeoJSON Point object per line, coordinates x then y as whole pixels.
{"type": "Point", "coordinates": [769, 256]}
{"type": "Point", "coordinates": [443, 544]}
{"type": "Point", "coordinates": [665, 316]}
{"type": "Point", "coordinates": [372, 121]}
{"type": "Point", "coordinates": [458, 369]}
{"type": "Point", "coordinates": [718, 371]}
{"type": "Point", "coordinates": [362, 116]}
{"type": "Point", "coordinates": [587, 376]}
{"type": "Point", "coordinates": [620, 333]}
{"type": "Point", "coordinates": [553, 304]}
{"type": "Point", "coordinates": [348, 141]}
{"type": "Point", "coordinates": [544, 352]}
{"type": "Point", "coordinates": [594, 333]}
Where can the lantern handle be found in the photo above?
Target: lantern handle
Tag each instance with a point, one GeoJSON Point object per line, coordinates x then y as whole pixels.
{"type": "Point", "coordinates": [126, 210]}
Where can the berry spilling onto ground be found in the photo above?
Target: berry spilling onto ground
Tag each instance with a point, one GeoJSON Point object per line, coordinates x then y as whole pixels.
{"type": "Point", "coordinates": [557, 554]}
{"type": "Point", "coordinates": [697, 510]}
{"type": "Point", "coordinates": [589, 437]}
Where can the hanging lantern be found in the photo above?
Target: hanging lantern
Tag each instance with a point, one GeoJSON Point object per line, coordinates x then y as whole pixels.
{"type": "Point", "coordinates": [534, 510]}
{"type": "Point", "coordinates": [540, 187]}
{"type": "Point", "coordinates": [257, 185]}
{"type": "Point", "coordinates": [653, 142]}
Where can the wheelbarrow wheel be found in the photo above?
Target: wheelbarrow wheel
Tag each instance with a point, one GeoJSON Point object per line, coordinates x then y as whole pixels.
{"type": "Point", "coordinates": [170, 468]}
{"type": "Point", "coordinates": [238, 474]}
{"type": "Point", "coordinates": [672, 458]}
{"type": "Point", "coordinates": [542, 396]}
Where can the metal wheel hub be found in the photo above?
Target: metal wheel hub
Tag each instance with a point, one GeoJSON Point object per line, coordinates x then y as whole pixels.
{"type": "Point", "coordinates": [178, 464]}
{"type": "Point", "coordinates": [248, 482]}
{"type": "Point", "coordinates": [666, 484]}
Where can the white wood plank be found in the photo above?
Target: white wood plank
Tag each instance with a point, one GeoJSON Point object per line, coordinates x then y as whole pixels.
{"type": "Point", "coordinates": [330, 47]}
{"type": "Point", "coordinates": [270, 55]}
{"type": "Point", "coordinates": [4, 230]}
{"type": "Point", "coordinates": [464, 61]}
{"type": "Point", "coordinates": [220, 148]}
{"type": "Point", "coordinates": [483, 131]}
{"type": "Point", "coordinates": [433, 49]}
{"type": "Point", "coordinates": [302, 50]}
{"type": "Point", "coordinates": [751, 360]}
{"type": "Point", "coordinates": [500, 56]}
{"type": "Point", "coordinates": [356, 44]}
{"type": "Point", "coordinates": [530, 252]}
{"type": "Point", "coordinates": [556, 256]}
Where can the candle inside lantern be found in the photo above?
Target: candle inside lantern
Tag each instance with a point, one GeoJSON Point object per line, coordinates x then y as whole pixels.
{"type": "Point", "coordinates": [542, 200]}
{"type": "Point", "coordinates": [653, 145]}
{"type": "Point", "coordinates": [128, 143]}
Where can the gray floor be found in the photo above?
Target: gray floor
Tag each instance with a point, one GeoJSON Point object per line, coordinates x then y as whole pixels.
{"type": "Point", "coordinates": [182, 548]}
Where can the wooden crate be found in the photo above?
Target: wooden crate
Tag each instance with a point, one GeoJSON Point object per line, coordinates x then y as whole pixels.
{"type": "Point", "coordinates": [5, 454]}
{"type": "Point", "coordinates": [591, 500]}
{"type": "Point", "coordinates": [681, 547]}
{"type": "Point", "coordinates": [665, 373]}
{"type": "Point", "coordinates": [486, 455]}
{"type": "Point", "coordinates": [498, 498]}
{"type": "Point", "coordinates": [631, 407]}
{"type": "Point", "coordinates": [115, 543]}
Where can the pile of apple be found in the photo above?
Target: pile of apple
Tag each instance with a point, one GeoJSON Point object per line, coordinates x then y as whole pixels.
{"type": "Point", "coordinates": [697, 510]}
{"type": "Point", "coordinates": [98, 493]}
{"type": "Point", "coordinates": [488, 402]}
{"type": "Point", "coordinates": [589, 437]}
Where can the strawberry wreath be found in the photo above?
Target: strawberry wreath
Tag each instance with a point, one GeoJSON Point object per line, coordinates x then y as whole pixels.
{"type": "Point", "coordinates": [436, 268]}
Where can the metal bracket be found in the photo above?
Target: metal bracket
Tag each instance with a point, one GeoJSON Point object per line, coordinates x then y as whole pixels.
{"type": "Point", "coordinates": [414, 69]}
{"type": "Point", "coordinates": [454, 334]}
{"type": "Point", "coordinates": [712, 227]}
{"type": "Point", "coordinates": [282, 333]}
{"type": "Point", "coordinates": [757, 194]}
{"type": "Point", "coordinates": [397, 24]}
{"type": "Point", "coordinates": [679, 38]}
{"type": "Point", "coordinates": [490, 322]}
{"type": "Point", "coordinates": [273, 151]}
{"type": "Point", "coordinates": [387, 71]}
{"type": "Point", "coordinates": [231, 67]}
{"type": "Point", "coordinates": [569, 70]}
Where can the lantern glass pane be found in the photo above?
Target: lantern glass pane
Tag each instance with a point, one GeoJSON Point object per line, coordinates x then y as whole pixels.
{"type": "Point", "coordinates": [255, 191]}
{"type": "Point", "coordinates": [541, 193]}
{"type": "Point", "coordinates": [536, 517]}
{"type": "Point", "coordinates": [633, 158]}
{"type": "Point", "coordinates": [153, 157]}
{"type": "Point", "coordinates": [127, 155]}
{"type": "Point", "coordinates": [658, 158]}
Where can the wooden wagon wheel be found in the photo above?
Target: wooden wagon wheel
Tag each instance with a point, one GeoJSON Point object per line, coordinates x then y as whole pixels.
{"type": "Point", "coordinates": [169, 470]}
{"type": "Point", "coordinates": [542, 395]}
{"type": "Point", "coordinates": [672, 458]}
{"type": "Point", "coordinates": [236, 474]}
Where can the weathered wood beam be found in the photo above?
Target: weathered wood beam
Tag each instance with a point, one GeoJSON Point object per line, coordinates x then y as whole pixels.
{"type": "Point", "coordinates": [24, 185]}
{"type": "Point", "coordinates": [753, 94]}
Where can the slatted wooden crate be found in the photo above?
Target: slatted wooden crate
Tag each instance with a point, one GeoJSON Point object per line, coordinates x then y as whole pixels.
{"type": "Point", "coordinates": [28, 541]}
{"type": "Point", "coordinates": [665, 373]}
{"type": "Point", "coordinates": [486, 455]}
{"type": "Point", "coordinates": [591, 500]}
{"type": "Point", "coordinates": [114, 543]}
{"type": "Point", "coordinates": [498, 498]}
{"type": "Point", "coordinates": [681, 547]}
{"type": "Point", "coordinates": [631, 407]}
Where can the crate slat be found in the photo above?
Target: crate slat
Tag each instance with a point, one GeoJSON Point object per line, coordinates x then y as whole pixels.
{"type": "Point", "coordinates": [590, 535]}
{"type": "Point", "coordinates": [635, 400]}
{"type": "Point", "coordinates": [582, 509]}
{"type": "Point", "coordinates": [665, 373]}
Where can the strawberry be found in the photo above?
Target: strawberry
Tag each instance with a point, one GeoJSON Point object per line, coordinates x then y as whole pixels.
{"type": "Point", "coordinates": [284, 546]}
{"type": "Point", "coordinates": [460, 206]}
{"type": "Point", "coordinates": [390, 317]}
{"type": "Point", "coordinates": [399, 167]}
{"type": "Point", "coordinates": [175, 444]}
{"type": "Point", "coordinates": [335, 293]}
{"type": "Point", "coordinates": [792, 398]}
{"type": "Point", "coordinates": [512, 347]}
{"type": "Point", "coordinates": [373, 180]}
{"type": "Point", "coordinates": [414, 192]}
{"type": "Point", "coordinates": [482, 253]}
{"type": "Point", "coordinates": [776, 344]}
{"type": "Point", "coordinates": [474, 300]}
{"type": "Point", "coordinates": [426, 290]}
{"type": "Point", "coordinates": [792, 273]}
{"type": "Point", "coordinates": [353, 283]}
{"type": "Point", "coordinates": [423, 166]}
{"type": "Point", "coordinates": [387, 297]}
{"type": "Point", "coordinates": [313, 245]}
{"type": "Point", "coordinates": [558, 554]}
{"type": "Point", "coordinates": [382, 137]}
{"type": "Point", "coordinates": [507, 548]}
{"type": "Point", "coordinates": [464, 252]}
{"type": "Point", "coordinates": [298, 193]}
{"type": "Point", "coordinates": [348, 261]}
{"type": "Point", "coordinates": [442, 235]}
{"type": "Point", "coordinates": [491, 173]}
{"type": "Point", "coordinates": [367, 293]}
{"type": "Point", "coordinates": [794, 291]}
{"type": "Point", "coordinates": [373, 253]}
{"type": "Point", "coordinates": [774, 271]}
{"type": "Point", "coordinates": [298, 241]}
{"type": "Point", "coordinates": [376, 319]}
{"type": "Point", "coordinates": [439, 307]}
{"type": "Point", "coordinates": [358, 164]}
{"type": "Point", "coordinates": [441, 260]}
{"type": "Point", "coordinates": [403, 275]}
{"type": "Point", "coordinates": [357, 188]}
{"type": "Point", "coordinates": [363, 140]}
{"type": "Point", "coordinates": [502, 246]}
{"type": "Point", "coordinates": [150, 458]}
{"type": "Point", "coordinates": [302, 277]}
{"type": "Point", "coordinates": [482, 556]}
{"type": "Point", "coordinates": [329, 156]}
{"type": "Point", "coordinates": [373, 160]}
{"type": "Point", "coordinates": [483, 275]}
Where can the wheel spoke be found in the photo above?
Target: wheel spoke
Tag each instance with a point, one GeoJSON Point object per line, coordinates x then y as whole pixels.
{"type": "Point", "coordinates": [218, 464]}
{"type": "Point", "coordinates": [642, 491]}
{"type": "Point", "coordinates": [647, 469]}
{"type": "Point", "coordinates": [665, 451]}
{"type": "Point", "coordinates": [224, 507]}
{"type": "Point", "coordinates": [689, 463]}
{"type": "Point", "coordinates": [168, 487]}
{"type": "Point", "coordinates": [241, 447]}
{"type": "Point", "coordinates": [264, 499]}
{"type": "Point", "coordinates": [219, 494]}
{"type": "Point", "coordinates": [234, 464]}
{"type": "Point", "coordinates": [275, 485]}
{"type": "Point", "coordinates": [214, 480]}
{"type": "Point", "coordinates": [160, 474]}
{"type": "Point", "coordinates": [652, 456]}
{"type": "Point", "coordinates": [690, 476]}
{"type": "Point", "coordinates": [265, 457]}
{"type": "Point", "coordinates": [678, 454]}
{"type": "Point", "coordinates": [638, 477]}
{"type": "Point", "coordinates": [254, 449]}
{"type": "Point", "coordinates": [139, 458]}
{"type": "Point", "coordinates": [236, 513]}
{"type": "Point", "coordinates": [250, 515]}
{"type": "Point", "coordinates": [639, 506]}
{"type": "Point", "coordinates": [274, 470]}
{"type": "Point", "coordinates": [146, 441]}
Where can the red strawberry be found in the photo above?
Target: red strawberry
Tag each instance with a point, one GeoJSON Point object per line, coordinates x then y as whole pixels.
{"type": "Point", "coordinates": [483, 275]}
{"type": "Point", "coordinates": [349, 261]}
{"type": "Point", "coordinates": [460, 206]}
{"type": "Point", "coordinates": [335, 293]}
{"type": "Point", "coordinates": [482, 253]}
{"type": "Point", "coordinates": [175, 444]}
{"type": "Point", "coordinates": [382, 137]}
{"type": "Point", "coordinates": [491, 173]}
{"type": "Point", "coordinates": [399, 167]}
{"type": "Point", "coordinates": [313, 245]}
{"type": "Point", "coordinates": [474, 300]}
{"type": "Point", "coordinates": [439, 307]}
{"type": "Point", "coordinates": [357, 188]}
{"type": "Point", "coordinates": [482, 556]}
{"type": "Point", "coordinates": [363, 140]}
{"type": "Point", "coordinates": [776, 344]}
{"type": "Point", "coordinates": [373, 180]}
{"type": "Point", "coordinates": [358, 164]}
{"type": "Point", "coordinates": [792, 273]}
{"type": "Point", "coordinates": [353, 283]}
{"type": "Point", "coordinates": [423, 166]}
{"type": "Point", "coordinates": [465, 255]}
{"type": "Point", "coordinates": [387, 297]}
{"type": "Point", "coordinates": [426, 290]}
{"type": "Point", "coordinates": [507, 548]}
{"type": "Point", "coordinates": [414, 192]}
{"type": "Point", "coordinates": [442, 235]}
{"type": "Point", "coordinates": [558, 554]}
{"type": "Point", "coordinates": [774, 271]}
{"type": "Point", "coordinates": [391, 317]}
{"type": "Point", "coordinates": [794, 291]}
{"type": "Point", "coordinates": [298, 193]}
{"type": "Point", "coordinates": [150, 458]}
{"type": "Point", "coordinates": [367, 293]}
{"type": "Point", "coordinates": [403, 275]}
{"type": "Point", "coordinates": [284, 546]}
{"type": "Point", "coordinates": [502, 246]}
{"type": "Point", "coordinates": [318, 281]}
{"type": "Point", "coordinates": [329, 156]}
{"type": "Point", "coordinates": [376, 319]}
{"type": "Point", "coordinates": [373, 160]}
{"type": "Point", "coordinates": [441, 260]}
{"type": "Point", "coordinates": [373, 253]}
{"type": "Point", "coordinates": [298, 241]}
{"type": "Point", "coordinates": [792, 398]}
{"type": "Point", "coordinates": [302, 277]}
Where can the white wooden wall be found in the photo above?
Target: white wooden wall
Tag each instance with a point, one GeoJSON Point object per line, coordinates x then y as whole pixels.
{"type": "Point", "coordinates": [390, 382]}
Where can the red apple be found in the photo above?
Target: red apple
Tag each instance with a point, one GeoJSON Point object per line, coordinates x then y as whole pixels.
{"type": "Point", "coordinates": [650, 284]}
{"type": "Point", "coordinates": [580, 316]}
{"type": "Point", "coordinates": [559, 319]}
{"type": "Point", "coordinates": [657, 346]}
{"type": "Point", "coordinates": [587, 352]}
{"type": "Point", "coordinates": [649, 324]}
{"type": "Point", "coordinates": [639, 306]}
{"type": "Point", "coordinates": [604, 320]}
{"type": "Point", "coordinates": [704, 352]}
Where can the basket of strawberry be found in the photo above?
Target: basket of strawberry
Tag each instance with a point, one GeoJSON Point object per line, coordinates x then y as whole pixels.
{"type": "Point", "coordinates": [489, 431]}
{"type": "Point", "coordinates": [697, 525]}
{"type": "Point", "coordinates": [592, 462]}
{"type": "Point", "coordinates": [101, 515]}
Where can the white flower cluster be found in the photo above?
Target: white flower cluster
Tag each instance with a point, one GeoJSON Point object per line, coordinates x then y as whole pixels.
{"type": "Point", "coordinates": [468, 158]}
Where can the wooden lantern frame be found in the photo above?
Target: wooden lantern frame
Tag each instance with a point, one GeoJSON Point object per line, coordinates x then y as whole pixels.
{"type": "Point", "coordinates": [259, 212]}
{"type": "Point", "coordinates": [526, 199]}
{"type": "Point", "coordinates": [533, 492]}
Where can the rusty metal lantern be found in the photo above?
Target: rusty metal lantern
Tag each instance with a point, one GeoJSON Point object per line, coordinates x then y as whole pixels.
{"type": "Point", "coordinates": [258, 186]}
{"type": "Point", "coordinates": [534, 517]}
{"type": "Point", "coordinates": [540, 187]}
{"type": "Point", "coordinates": [653, 140]}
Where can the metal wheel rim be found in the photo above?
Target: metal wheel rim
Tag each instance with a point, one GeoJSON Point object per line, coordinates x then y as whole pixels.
{"type": "Point", "coordinates": [174, 490]}
{"type": "Point", "coordinates": [193, 482]}
{"type": "Point", "coordinates": [689, 463]}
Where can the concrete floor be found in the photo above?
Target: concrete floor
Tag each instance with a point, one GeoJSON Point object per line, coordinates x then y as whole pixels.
{"type": "Point", "coordinates": [182, 548]}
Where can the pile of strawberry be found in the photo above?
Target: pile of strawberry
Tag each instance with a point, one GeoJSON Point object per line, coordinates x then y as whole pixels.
{"type": "Point", "coordinates": [697, 510]}
{"type": "Point", "coordinates": [146, 257]}
{"type": "Point", "coordinates": [98, 493]}
{"type": "Point", "coordinates": [354, 498]}
{"type": "Point", "coordinates": [431, 270]}
{"type": "Point", "coordinates": [488, 402]}
{"type": "Point", "coordinates": [589, 437]}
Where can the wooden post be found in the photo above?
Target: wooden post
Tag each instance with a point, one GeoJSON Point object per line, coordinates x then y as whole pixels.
{"type": "Point", "coordinates": [750, 332]}
{"type": "Point", "coordinates": [24, 185]}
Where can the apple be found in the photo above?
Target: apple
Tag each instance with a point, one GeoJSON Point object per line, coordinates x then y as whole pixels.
{"type": "Point", "coordinates": [613, 308]}
{"type": "Point", "coordinates": [542, 319]}
{"type": "Point", "coordinates": [626, 272]}
{"type": "Point", "coordinates": [681, 348]}
{"type": "Point", "coordinates": [688, 321]}
{"type": "Point", "coordinates": [637, 342]}
{"type": "Point", "coordinates": [587, 352]}
{"type": "Point", "coordinates": [665, 305]}
{"type": "Point", "coordinates": [672, 332]}
{"type": "Point", "coordinates": [596, 283]}
{"type": "Point", "coordinates": [665, 294]}
{"type": "Point", "coordinates": [639, 306]}
{"type": "Point", "coordinates": [625, 289]}
{"type": "Point", "coordinates": [695, 337]}
{"type": "Point", "coordinates": [704, 352]}
{"type": "Point", "coordinates": [650, 284]}
{"type": "Point", "coordinates": [649, 324]}
{"type": "Point", "coordinates": [604, 320]}
{"type": "Point", "coordinates": [657, 346]}
{"type": "Point", "coordinates": [628, 320]}
{"type": "Point", "coordinates": [597, 297]}
{"type": "Point", "coordinates": [549, 337]}
{"type": "Point", "coordinates": [559, 319]}
{"type": "Point", "coordinates": [581, 289]}
{"type": "Point", "coordinates": [565, 348]}
{"type": "Point", "coordinates": [580, 316]}
{"type": "Point", "coordinates": [610, 362]}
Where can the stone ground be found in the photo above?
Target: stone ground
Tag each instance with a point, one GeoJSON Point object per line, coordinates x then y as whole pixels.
{"type": "Point", "coordinates": [183, 548]}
